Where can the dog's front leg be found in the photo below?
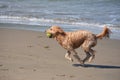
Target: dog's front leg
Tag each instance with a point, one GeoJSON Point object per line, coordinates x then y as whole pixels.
{"type": "Point", "coordinates": [75, 55]}
{"type": "Point", "coordinates": [67, 56]}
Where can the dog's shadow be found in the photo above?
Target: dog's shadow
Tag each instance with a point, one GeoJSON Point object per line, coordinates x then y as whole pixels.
{"type": "Point", "coordinates": [97, 66]}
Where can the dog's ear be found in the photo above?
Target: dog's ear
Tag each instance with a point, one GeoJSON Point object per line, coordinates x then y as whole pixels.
{"type": "Point", "coordinates": [60, 31]}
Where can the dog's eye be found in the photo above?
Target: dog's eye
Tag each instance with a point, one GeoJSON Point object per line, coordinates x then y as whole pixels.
{"type": "Point", "coordinates": [50, 29]}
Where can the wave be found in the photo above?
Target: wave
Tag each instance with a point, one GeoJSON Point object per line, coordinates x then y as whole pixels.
{"type": "Point", "coordinates": [41, 24]}
{"type": "Point", "coordinates": [20, 20]}
{"type": "Point", "coordinates": [49, 22]}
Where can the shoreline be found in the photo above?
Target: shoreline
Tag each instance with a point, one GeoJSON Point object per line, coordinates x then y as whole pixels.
{"type": "Point", "coordinates": [30, 55]}
{"type": "Point", "coordinates": [114, 35]}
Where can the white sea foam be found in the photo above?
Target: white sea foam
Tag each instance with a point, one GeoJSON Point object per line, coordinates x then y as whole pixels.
{"type": "Point", "coordinates": [66, 24]}
{"type": "Point", "coordinates": [49, 22]}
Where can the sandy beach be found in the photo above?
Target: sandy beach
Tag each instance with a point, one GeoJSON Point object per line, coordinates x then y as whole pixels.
{"type": "Point", "coordinates": [30, 55]}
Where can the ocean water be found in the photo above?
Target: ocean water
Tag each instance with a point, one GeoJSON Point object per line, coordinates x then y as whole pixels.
{"type": "Point", "coordinates": [69, 14]}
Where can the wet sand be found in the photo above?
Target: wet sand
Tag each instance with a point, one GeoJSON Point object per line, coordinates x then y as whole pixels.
{"type": "Point", "coordinates": [30, 55]}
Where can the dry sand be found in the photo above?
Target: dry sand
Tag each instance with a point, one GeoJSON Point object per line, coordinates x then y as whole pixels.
{"type": "Point", "coordinates": [29, 55]}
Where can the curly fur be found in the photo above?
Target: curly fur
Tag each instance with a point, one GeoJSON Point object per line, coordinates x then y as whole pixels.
{"type": "Point", "coordinates": [72, 40]}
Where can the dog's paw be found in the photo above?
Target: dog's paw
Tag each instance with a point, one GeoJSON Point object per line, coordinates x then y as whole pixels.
{"type": "Point", "coordinates": [68, 57]}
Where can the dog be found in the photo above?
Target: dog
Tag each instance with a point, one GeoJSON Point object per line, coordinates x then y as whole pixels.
{"type": "Point", "coordinates": [73, 40]}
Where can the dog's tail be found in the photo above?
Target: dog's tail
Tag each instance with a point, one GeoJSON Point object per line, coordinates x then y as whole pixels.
{"type": "Point", "coordinates": [105, 33]}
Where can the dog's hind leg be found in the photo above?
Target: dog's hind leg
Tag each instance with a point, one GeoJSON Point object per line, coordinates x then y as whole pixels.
{"type": "Point", "coordinates": [67, 56]}
{"type": "Point", "coordinates": [75, 55]}
{"type": "Point", "coordinates": [88, 55]}
{"type": "Point", "coordinates": [92, 55]}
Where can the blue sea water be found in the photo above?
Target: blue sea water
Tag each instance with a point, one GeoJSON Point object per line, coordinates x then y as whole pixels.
{"type": "Point", "coordinates": [69, 14]}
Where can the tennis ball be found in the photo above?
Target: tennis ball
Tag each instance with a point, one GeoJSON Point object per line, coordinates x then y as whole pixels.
{"type": "Point", "coordinates": [48, 35]}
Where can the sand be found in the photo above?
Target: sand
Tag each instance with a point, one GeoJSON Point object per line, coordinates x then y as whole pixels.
{"type": "Point", "coordinates": [30, 55]}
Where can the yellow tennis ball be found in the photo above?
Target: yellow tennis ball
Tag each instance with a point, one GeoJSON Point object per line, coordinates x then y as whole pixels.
{"type": "Point", "coordinates": [48, 34]}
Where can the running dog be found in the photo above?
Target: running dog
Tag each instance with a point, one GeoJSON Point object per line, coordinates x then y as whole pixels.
{"type": "Point", "coordinates": [72, 40]}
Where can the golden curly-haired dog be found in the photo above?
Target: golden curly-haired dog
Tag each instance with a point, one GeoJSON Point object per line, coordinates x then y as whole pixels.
{"type": "Point", "coordinates": [72, 40]}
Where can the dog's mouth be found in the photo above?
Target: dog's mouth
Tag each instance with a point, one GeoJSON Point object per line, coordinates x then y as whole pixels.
{"type": "Point", "coordinates": [49, 35]}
